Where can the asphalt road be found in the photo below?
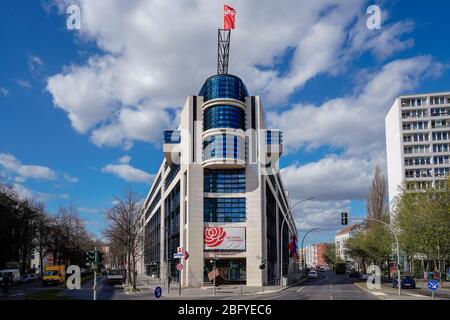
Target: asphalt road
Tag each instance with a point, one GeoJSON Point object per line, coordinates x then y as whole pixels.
{"type": "Point", "coordinates": [328, 286]}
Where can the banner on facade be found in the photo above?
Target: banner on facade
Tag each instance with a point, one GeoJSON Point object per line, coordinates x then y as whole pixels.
{"type": "Point", "coordinates": [220, 238]}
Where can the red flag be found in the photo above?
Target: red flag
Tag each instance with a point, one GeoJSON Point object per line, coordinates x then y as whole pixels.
{"type": "Point", "coordinates": [229, 15]}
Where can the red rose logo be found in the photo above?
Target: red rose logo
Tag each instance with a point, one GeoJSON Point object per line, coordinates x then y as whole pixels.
{"type": "Point", "coordinates": [214, 236]}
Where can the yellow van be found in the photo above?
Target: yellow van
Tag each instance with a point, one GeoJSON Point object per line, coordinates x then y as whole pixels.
{"type": "Point", "coordinates": [54, 275]}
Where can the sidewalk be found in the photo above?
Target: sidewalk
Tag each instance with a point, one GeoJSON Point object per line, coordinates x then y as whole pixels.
{"type": "Point", "coordinates": [389, 293]}
{"type": "Point", "coordinates": [147, 283]}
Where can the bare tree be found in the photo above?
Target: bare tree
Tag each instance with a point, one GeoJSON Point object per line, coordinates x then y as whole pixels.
{"type": "Point", "coordinates": [43, 236]}
{"type": "Point", "coordinates": [125, 230]}
{"type": "Point", "coordinates": [377, 206]}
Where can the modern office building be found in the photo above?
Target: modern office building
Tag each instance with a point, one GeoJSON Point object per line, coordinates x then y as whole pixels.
{"type": "Point", "coordinates": [418, 142]}
{"type": "Point", "coordinates": [218, 193]}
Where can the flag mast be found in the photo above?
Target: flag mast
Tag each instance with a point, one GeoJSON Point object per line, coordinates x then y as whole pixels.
{"type": "Point", "coordinates": [224, 37]}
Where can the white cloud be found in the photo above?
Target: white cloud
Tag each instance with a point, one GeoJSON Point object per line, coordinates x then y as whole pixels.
{"type": "Point", "coordinates": [157, 53]}
{"type": "Point", "coordinates": [71, 179]}
{"type": "Point", "coordinates": [126, 172]}
{"type": "Point", "coordinates": [124, 160]}
{"type": "Point", "coordinates": [23, 172]}
{"type": "Point", "coordinates": [25, 193]}
{"type": "Point", "coordinates": [4, 92]}
{"type": "Point", "coordinates": [330, 178]}
{"type": "Point", "coordinates": [35, 63]}
{"type": "Point", "coordinates": [24, 83]}
{"type": "Point", "coordinates": [89, 210]}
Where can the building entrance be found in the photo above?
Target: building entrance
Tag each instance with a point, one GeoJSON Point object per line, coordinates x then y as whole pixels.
{"type": "Point", "coordinates": [231, 270]}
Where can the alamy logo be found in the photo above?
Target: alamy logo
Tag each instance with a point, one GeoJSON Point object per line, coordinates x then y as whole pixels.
{"type": "Point", "coordinates": [74, 280]}
{"type": "Point", "coordinates": [374, 20]}
{"type": "Point", "coordinates": [73, 21]}
{"type": "Point", "coordinates": [374, 280]}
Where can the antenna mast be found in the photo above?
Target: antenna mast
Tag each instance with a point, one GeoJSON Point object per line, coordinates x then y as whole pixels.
{"type": "Point", "coordinates": [224, 36]}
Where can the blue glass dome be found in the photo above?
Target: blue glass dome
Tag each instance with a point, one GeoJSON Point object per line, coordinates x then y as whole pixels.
{"type": "Point", "coordinates": [224, 86]}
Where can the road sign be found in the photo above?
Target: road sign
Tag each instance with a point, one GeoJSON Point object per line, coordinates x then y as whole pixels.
{"type": "Point", "coordinates": [433, 285]}
{"type": "Point", "coordinates": [178, 255]}
{"type": "Point", "coordinates": [180, 250]}
{"type": "Point", "coordinates": [179, 266]}
{"type": "Point", "coordinates": [186, 255]}
{"type": "Point", "coordinates": [158, 292]}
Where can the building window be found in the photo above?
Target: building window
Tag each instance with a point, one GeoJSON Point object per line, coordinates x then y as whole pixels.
{"type": "Point", "coordinates": [224, 146]}
{"type": "Point", "coordinates": [172, 136]}
{"type": "Point", "coordinates": [224, 209]}
{"type": "Point", "coordinates": [223, 116]}
{"type": "Point", "coordinates": [223, 86]}
{"type": "Point", "coordinates": [174, 169]}
{"type": "Point", "coordinates": [274, 137]}
{"type": "Point", "coordinates": [152, 244]}
{"type": "Point", "coordinates": [224, 181]}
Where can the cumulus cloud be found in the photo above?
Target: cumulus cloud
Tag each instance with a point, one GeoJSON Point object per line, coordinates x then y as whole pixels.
{"type": "Point", "coordinates": [126, 172]}
{"type": "Point", "coordinates": [152, 58]}
{"type": "Point", "coordinates": [23, 172]}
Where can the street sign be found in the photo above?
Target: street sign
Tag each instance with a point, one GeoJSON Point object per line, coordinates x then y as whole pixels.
{"type": "Point", "coordinates": [433, 285]}
{"type": "Point", "coordinates": [158, 292]}
{"type": "Point", "coordinates": [178, 255]}
{"type": "Point", "coordinates": [179, 266]}
{"type": "Point", "coordinates": [186, 255]}
{"type": "Point", "coordinates": [179, 249]}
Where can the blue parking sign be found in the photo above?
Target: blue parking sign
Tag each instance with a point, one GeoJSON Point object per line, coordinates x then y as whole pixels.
{"type": "Point", "coordinates": [158, 292]}
{"type": "Point", "coordinates": [433, 285]}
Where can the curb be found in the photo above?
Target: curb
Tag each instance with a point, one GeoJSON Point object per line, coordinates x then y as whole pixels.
{"type": "Point", "coordinates": [367, 290]}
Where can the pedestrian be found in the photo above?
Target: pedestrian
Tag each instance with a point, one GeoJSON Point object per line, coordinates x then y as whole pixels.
{"type": "Point", "coordinates": [169, 279]}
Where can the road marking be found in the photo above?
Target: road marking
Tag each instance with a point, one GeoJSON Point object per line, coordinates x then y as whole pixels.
{"type": "Point", "coordinates": [301, 289]}
{"type": "Point", "coordinates": [415, 295]}
{"type": "Point", "coordinates": [17, 294]}
{"type": "Point", "coordinates": [378, 293]}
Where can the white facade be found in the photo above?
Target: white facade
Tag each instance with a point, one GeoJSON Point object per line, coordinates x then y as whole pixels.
{"type": "Point", "coordinates": [417, 142]}
{"type": "Point", "coordinates": [340, 242]}
{"type": "Point", "coordinates": [212, 195]}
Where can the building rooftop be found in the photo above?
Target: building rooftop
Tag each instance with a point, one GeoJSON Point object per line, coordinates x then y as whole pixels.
{"type": "Point", "coordinates": [348, 229]}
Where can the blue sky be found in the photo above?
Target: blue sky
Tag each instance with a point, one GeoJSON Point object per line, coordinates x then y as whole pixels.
{"type": "Point", "coordinates": [81, 112]}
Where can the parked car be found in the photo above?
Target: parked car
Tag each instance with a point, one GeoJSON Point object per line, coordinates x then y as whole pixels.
{"type": "Point", "coordinates": [26, 278]}
{"type": "Point", "coordinates": [34, 276]}
{"type": "Point", "coordinates": [115, 276]}
{"type": "Point", "coordinates": [354, 274]}
{"type": "Point", "coordinates": [312, 274]}
{"type": "Point", "coordinates": [407, 282]}
{"type": "Point", "coordinates": [321, 269]}
{"type": "Point", "coordinates": [15, 274]}
{"type": "Point", "coordinates": [364, 276]}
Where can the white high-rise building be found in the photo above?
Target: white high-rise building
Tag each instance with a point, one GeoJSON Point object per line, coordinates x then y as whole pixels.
{"type": "Point", "coordinates": [418, 142]}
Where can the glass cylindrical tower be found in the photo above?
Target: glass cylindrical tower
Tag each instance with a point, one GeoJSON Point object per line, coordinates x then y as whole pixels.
{"type": "Point", "coordinates": [224, 121]}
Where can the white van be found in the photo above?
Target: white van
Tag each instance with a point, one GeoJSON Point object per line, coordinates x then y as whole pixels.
{"type": "Point", "coordinates": [15, 273]}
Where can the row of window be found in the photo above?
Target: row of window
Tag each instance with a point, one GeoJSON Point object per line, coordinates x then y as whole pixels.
{"type": "Point", "coordinates": [441, 135]}
{"type": "Point", "coordinates": [224, 209]}
{"type": "Point", "coordinates": [440, 124]}
{"type": "Point", "coordinates": [423, 101]}
{"type": "Point", "coordinates": [223, 146]}
{"type": "Point", "coordinates": [224, 116]}
{"type": "Point", "coordinates": [417, 137]}
{"type": "Point", "coordinates": [174, 169]}
{"type": "Point", "coordinates": [418, 125]}
{"type": "Point", "coordinates": [415, 114]}
{"type": "Point", "coordinates": [439, 112]}
{"type": "Point", "coordinates": [224, 181]}
{"type": "Point", "coordinates": [426, 161]}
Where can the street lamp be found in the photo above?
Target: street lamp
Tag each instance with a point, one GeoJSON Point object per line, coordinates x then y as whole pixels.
{"type": "Point", "coordinates": [281, 235]}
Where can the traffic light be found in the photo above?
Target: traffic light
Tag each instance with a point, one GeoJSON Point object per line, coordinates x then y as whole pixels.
{"type": "Point", "coordinates": [90, 257]}
{"type": "Point", "coordinates": [99, 257]}
{"type": "Point", "coordinates": [344, 218]}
